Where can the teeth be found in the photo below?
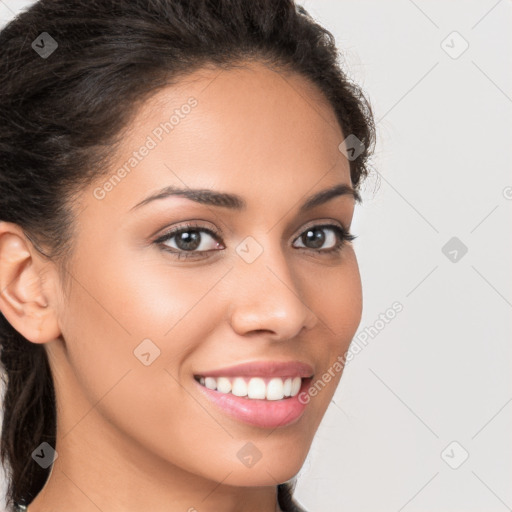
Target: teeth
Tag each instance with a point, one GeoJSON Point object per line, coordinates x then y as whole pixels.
{"type": "Point", "coordinates": [275, 389]}
{"type": "Point", "coordinates": [295, 386]}
{"type": "Point", "coordinates": [288, 387]}
{"type": "Point", "coordinates": [239, 387]}
{"type": "Point", "coordinates": [210, 383]}
{"type": "Point", "coordinates": [223, 385]}
{"type": "Point", "coordinates": [255, 388]}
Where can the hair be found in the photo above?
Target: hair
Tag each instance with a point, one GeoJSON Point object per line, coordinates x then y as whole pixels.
{"type": "Point", "coordinates": [63, 116]}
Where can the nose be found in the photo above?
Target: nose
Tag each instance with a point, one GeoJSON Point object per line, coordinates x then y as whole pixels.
{"type": "Point", "coordinates": [267, 297]}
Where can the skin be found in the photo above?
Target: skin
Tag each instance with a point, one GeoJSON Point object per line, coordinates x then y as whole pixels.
{"type": "Point", "coordinates": [132, 437]}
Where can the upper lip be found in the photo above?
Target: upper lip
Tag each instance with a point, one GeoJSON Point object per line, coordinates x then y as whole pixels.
{"type": "Point", "coordinates": [263, 369]}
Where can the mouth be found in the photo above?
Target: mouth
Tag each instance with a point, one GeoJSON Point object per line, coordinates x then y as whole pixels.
{"type": "Point", "coordinates": [267, 394]}
{"type": "Point", "coordinates": [264, 402]}
{"type": "Point", "coordinates": [255, 388]}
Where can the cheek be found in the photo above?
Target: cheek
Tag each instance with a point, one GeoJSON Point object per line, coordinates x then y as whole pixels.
{"type": "Point", "coordinates": [144, 316]}
{"type": "Point", "coordinates": [132, 297]}
{"type": "Point", "coordinates": [337, 302]}
{"type": "Point", "coordinates": [154, 296]}
{"type": "Point", "coordinates": [118, 311]}
{"type": "Point", "coordinates": [336, 299]}
{"type": "Point", "coordinates": [150, 403]}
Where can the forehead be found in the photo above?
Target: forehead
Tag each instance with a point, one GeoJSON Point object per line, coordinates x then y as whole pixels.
{"type": "Point", "coordinates": [250, 129]}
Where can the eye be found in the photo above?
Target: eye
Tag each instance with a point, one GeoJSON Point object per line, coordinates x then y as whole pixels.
{"type": "Point", "coordinates": [190, 238]}
{"type": "Point", "coordinates": [314, 238]}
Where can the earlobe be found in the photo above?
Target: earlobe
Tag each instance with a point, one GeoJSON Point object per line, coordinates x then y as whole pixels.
{"type": "Point", "coordinates": [22, 298]}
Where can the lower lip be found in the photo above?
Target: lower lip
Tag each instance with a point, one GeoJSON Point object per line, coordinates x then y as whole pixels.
{"type": "Point", "coordinates": [261, 413]}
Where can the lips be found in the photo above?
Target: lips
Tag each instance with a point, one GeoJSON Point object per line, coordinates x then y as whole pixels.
{"type": "Point", "coordinates": [261, 393]}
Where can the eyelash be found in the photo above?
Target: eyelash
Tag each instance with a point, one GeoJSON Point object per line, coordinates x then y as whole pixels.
{"type": "Point", "coordinates": [342, 234]}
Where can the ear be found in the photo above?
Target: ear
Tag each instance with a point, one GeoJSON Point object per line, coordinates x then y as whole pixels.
{"type": "Point", "coordinates": [27, 298]}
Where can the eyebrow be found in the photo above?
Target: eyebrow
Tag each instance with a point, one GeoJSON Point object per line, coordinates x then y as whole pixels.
{"type": "Point", "coordinates": [235, 202]}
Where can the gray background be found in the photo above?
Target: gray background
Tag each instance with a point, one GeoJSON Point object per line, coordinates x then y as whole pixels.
{"type": "Point", "coordinates": [422, 417]}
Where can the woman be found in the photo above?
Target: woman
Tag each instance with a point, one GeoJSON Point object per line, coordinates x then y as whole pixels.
{"type": "Point", "coordinates": [178, 179]}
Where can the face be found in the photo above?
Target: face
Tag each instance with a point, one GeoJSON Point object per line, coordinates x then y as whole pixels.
{"type": "Point", "coordinates": [252, 279]}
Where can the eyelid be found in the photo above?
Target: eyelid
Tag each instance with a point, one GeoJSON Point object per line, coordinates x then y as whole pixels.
{"type": "Point", "coordinates": [319, 223]}
{"type": "Point", "coordinates": [183, 226]}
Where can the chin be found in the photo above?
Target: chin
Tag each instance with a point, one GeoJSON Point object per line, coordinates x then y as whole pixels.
{"type": "Point", "coordinates": [261, 478]}
{"type": "Point", "coordinates": [269, 473]}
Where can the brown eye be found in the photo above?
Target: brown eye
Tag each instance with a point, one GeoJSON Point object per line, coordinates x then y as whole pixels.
{"type": "Point", "coordinates": [189, 239]}
{"type": "Point", "coordinates": [315, 238]}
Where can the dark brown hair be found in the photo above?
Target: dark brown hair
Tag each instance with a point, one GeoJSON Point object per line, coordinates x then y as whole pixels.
{"type": "Point", "coordinates": [62, 116]}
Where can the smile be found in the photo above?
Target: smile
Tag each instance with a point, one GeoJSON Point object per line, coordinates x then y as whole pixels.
{"type": "Point", "coordinates": [254, 388]}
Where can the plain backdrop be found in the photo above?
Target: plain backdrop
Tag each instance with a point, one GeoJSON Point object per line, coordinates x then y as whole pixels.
{"type": "Point", "coordinates": [422, 418]}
